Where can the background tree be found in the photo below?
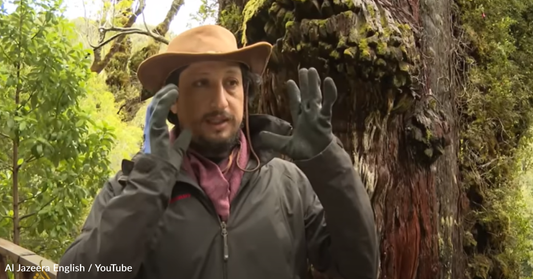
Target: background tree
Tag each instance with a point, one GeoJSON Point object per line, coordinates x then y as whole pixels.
{"type": "Point", "coordinates": [114, 53]}
{"type": "Point", "coordinates": [424, 109]}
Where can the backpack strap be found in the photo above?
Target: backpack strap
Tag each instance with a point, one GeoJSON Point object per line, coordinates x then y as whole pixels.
{"type": "Point", "coordinates": [123, 174]}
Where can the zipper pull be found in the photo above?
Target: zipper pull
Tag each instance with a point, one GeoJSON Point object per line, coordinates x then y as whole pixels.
{"type": "Point", "coordinates": [225, 239]}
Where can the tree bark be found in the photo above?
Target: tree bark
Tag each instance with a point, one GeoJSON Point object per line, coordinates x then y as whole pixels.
{"type": "Point", "coordinates": [394, 112]}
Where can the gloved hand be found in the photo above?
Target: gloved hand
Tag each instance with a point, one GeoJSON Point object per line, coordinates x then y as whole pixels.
{"type": "Point", "coordinates": [312, 119]}
{"type": "Point", "coordinates": [156, 135]}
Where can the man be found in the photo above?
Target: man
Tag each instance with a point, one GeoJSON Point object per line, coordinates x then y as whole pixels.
{"type": "Point", "coordinates": [211, 200]}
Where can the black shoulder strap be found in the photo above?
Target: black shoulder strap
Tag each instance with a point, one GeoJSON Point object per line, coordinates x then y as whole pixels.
{"type": "Point", "coordinates": [122, 176]}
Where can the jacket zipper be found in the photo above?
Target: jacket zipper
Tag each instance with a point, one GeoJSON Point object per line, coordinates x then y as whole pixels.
{"type": "Point", "coordinates": [225, 248]}
{"type": "Point", "coordinates": [223, 226]}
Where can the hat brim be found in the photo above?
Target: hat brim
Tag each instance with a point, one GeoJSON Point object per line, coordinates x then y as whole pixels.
{"type": "Point", "coordinates": [153, 72]}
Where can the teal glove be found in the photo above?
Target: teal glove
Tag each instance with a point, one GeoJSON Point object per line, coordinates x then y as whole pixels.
{"type": "Point", "coordinates": [312, 119]}
{"type": "Point", "coordinates": [156, 135]}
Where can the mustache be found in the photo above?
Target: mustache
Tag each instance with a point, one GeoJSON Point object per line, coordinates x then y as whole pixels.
{"type": "Point", "coordinates": [212, 114]}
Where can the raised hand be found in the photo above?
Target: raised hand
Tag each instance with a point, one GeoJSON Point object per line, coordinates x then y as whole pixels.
{"type": "Point", "coordinates": [156, 135]}
{"type": "Point", "coordinates": [311, 117]}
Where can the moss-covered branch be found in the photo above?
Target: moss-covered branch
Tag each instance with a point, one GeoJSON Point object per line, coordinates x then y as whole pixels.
{"type": "Point", "coordinates": [125, 20]}
{"type": "Point", "coordinates": [122, 70]}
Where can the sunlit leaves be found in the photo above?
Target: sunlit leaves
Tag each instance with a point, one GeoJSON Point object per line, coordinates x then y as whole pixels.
{"type": "Point", "coordinates": [207, 14]}
{"type": "Point", "coordinates": [62, 152]}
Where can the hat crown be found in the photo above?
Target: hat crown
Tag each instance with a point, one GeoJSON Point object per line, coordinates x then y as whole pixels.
{"type": "Point", "coordinates": [204, 39]}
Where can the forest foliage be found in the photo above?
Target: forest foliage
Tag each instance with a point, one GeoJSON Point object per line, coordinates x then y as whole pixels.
{"type": "Point", "coordinates": [496, 112]}
{"type": "Point", "coordinates": [59, 129]}
{"type": "Point", "coordinates": [63, 121]}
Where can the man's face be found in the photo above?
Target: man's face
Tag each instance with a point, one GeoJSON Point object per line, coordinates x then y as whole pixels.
{"type": "Point", "coordinates": [210, 104]}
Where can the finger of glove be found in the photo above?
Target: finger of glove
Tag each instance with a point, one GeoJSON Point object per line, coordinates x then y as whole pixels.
{"type": "Point", "coordinates": [303, 84]}
{"type": "Point", "coordinates": [146, 131]}
{"type": "Point", "coordinates": [315, 96]}
{"type": "Point", "coordinates": [158, 129]}
{"type": "Point", "coordinates": [294, 100]}
{"type": "Point", "coordinates": [330, 97]}
{"type": "Point", "coordinates": [180, 146]}
{"type": "Point", "coordinates": [274, 141]}
{"type": "Point", "coordinates": [163, 100]}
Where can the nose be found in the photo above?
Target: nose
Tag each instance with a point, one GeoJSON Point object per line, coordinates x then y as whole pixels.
{"type": "Point", "coordinates": [219, 101]}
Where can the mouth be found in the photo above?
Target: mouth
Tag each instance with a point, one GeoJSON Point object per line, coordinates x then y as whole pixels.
{"type": "Point", "coordinates": [218, 122]}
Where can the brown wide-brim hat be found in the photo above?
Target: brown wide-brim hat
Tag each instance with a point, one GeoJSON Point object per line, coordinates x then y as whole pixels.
{"type": "Point", "coordinates": [204, 43]}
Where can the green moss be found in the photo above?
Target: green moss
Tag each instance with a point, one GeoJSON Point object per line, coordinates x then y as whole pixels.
{"type": "Point", "coordinates": [381, 62]}
{"type": "Point", "coordinates": [350, 4]}
{"type": "Point", "coordinates": [274, 8]}
{"type": "Point", "coordinates": [249, 11]}
{"type": "Point", "coordinates": [335, 54]}
{"type": "Point", "coordinates": [387, 32]}
{"type": "Point", "coordinates": [350, 52]}
{"type": "Point", "coordinates": [371, 10]}
{"type": "Point", "coordinates": [479, 267]}
{"type": "Point", "coordinates": [404, 67]}
{"type": "Point", "coordinates": [381, 48]}
{"type": "Point", "coordinates": [289, 16]}
{"type": "Point", "coordinates": [405, 28]}
{"type": "Point", "coordinates": [354, 36]}
{"type": "Point", "coordinates": [399, 81]}
{"type": "Point", "coordinates": [289, 24]}
{"type": "Point", "coordinates": [231, 18]}
{"type": "Point", "coordinates": [364, 49]}
{"type": "Point", "coordinates": [342, 42]}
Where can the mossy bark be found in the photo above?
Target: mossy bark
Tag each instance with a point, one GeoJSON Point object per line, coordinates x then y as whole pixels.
{"type": "Point", "coordinates": [133, 103]}
{"type": "Point", "coordinates": [122, 67]}
{"type": "Point", "coordinates": [394, 112]}
{"type": "Point", "coordinates": [126, 20]}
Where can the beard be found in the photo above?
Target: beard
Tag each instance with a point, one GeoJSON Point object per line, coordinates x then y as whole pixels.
{"type": "Point", "coordinates": [215, 149]}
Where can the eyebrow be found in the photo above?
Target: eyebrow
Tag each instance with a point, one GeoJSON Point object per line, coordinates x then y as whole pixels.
{"type": "Point", "coordinates": [230, 71]}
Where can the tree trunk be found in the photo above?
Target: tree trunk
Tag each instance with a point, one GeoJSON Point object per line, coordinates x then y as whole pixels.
{"type": "Point", "coordinates": [133, 102]}
{"type": "Point", "coordinates": [394, 112]}
{"type": "Point", "coordinates": [121, 64]}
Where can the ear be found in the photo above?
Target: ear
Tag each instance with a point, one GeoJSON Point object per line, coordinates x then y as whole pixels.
{"type": "Point", "coordinates": [174, 108]}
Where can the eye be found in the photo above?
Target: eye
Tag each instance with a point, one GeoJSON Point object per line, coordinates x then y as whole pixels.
{"type": "Point", "coordinates": [200, 83]}
{"type": "Point", "coordinates": [232, 83]}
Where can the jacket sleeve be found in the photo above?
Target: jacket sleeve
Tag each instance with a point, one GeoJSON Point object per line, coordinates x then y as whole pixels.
{"type": "Point", "coordinates": [119, 225]}
{"type": "Point", "coordinates": [347, 245]}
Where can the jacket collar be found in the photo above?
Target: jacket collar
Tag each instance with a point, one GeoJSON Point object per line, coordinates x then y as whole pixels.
{"type": "Point", "coordinates": [263, 122]}
{"type": "Point", "coordinates": [258, 123]}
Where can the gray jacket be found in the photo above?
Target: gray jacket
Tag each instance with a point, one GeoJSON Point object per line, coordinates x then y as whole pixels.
{"type": "Point", "coordinates": [277, 222]}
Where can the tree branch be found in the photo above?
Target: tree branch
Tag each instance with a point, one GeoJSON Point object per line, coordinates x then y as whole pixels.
{"type": "Point", "coordinates": [126, 31]}
{"type": "Point", "coordinates": [29, 198]}
{"type": "Point", "coordinates": [36, 212]}
{"type": "Point", "coordinates": [100, 63]}
{"type": "Point", "coordinates": [131, 105]}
